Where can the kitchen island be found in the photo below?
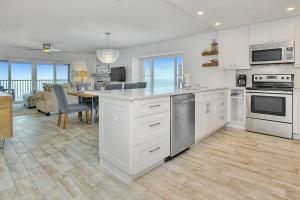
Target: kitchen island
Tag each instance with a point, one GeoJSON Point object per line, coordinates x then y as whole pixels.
{"type": "Point", "coordinates": [134, 128]}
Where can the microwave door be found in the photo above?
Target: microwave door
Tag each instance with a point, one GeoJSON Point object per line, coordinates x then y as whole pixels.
{"type": "Point", "coordinates": [265, 56]}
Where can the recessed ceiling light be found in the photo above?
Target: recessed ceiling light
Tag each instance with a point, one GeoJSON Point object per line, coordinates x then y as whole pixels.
{"type": "Point", "coordinates": [217, 23]}
{"type": "Point", "coordinates": [200, 13]}
{"type": "Point", "coordinates": [290, 9]}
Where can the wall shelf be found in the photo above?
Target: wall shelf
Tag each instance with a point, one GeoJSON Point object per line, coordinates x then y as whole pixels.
{"type": "Point", "coordinates": [210, 53]}
{"type": "Point", "coordinates": [211, 64]}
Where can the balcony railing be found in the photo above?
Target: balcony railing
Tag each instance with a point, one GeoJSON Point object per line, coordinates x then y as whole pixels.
{"type": "Point", "coordinates": [22, 87]}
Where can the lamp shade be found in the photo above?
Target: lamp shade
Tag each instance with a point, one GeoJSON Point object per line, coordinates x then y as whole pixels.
{"type": "Point", "coordinates": [83, 74]}
{"type": "Point", "coordinates": [108, 56]}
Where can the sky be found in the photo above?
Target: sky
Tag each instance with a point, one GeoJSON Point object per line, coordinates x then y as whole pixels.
{"type": "Point", "coordinates": [23, 71]}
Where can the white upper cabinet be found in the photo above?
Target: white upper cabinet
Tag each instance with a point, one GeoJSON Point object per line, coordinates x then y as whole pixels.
{"type": "Point", "coordinates": [234, 48]}
{"type": "Point", "coordinates": [297, 41]}
{"type": "Point", "coordinates": [260, 33]}
{"type": "Point", "coordinates": [282, 30]}
{"type": "Point", "coordinates": [274, 31]}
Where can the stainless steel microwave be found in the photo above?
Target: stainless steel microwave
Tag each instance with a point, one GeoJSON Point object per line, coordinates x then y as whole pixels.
{"type": "Point", "coordinates": [272, 53]}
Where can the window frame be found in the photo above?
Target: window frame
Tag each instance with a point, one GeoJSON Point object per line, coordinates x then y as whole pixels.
{"type": "Point", "coordinates": [152, 58]}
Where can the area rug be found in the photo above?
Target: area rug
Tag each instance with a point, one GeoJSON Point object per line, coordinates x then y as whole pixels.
{"type": "Point", "coordinates": [20, 109]}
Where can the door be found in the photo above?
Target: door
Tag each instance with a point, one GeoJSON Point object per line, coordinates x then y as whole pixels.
{"type": "Point", "coordinates": [242, 47]}
{"type": "Point", "coordinates": [282, 30]}
{"type": "Point", "coordinates": [227, 48]}
{"type": "Point", "coordinates": [201, 122]}
{"type": "Point", "coordinates": [221, 112]}
{"type": "Point", "coordinates": [297, 41]}
{"type": "Point", "coordinates": [274, 107]}
{"type": "Point", "coordinates": [260, 33]}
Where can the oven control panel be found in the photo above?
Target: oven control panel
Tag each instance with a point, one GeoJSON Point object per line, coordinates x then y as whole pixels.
{"type": "Point", "coordinates": [287, 78]}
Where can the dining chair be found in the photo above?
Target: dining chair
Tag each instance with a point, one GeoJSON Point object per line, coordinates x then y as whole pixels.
{"type": "Point", "coordinates": [113, 87]}
{"type": "Point", "coordinates": [64, 107]}
{"type": "Point", "coordinates": [141, 84]}
{"type": "Point", "coordinates": [130, 86]}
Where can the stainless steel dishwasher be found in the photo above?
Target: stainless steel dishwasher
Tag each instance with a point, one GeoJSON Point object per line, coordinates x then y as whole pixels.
{"type": "Point", "coordinates": [182, 122]}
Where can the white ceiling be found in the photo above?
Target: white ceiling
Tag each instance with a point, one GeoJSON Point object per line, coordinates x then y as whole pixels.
{"type": "Point", "coordinates": [79, 25]}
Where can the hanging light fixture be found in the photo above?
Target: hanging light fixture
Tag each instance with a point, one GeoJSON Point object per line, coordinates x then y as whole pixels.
{"type": "Point", "coordinates": [108, 56]}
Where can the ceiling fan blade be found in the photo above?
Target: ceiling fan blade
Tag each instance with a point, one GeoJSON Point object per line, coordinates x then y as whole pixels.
{"type": "Point", "coordinates": [55, 50]}
{"type": "Point", "coordinates": [35, 49]}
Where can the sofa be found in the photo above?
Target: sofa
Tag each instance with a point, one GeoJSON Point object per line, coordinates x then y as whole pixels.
{"type": "Point", "coordinates": [46, 100]}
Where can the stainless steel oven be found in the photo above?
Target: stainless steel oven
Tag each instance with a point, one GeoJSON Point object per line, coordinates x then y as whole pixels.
{"type": "Point", "coordinates": [270, 105]}
{"type": "Point", "coordinates": [272, 53]}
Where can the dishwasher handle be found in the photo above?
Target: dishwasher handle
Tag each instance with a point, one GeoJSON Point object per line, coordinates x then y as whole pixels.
{"type": "Point", "coordinates": [185, 101]}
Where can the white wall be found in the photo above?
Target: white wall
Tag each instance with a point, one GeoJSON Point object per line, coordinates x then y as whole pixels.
{"type": "Point", "coordinates": [191, 47]}
{"type": "Point", "coordinates": [78, 61]}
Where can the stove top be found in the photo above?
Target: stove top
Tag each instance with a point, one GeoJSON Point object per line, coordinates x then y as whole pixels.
{"type": "Point", "coordinates": [270, 88]}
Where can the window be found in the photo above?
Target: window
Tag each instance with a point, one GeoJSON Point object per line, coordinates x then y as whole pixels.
{"type": "Point", "coordinates": [4, 74]}
{"type": "Point", "coordinates": [21, 78]}
{"type": "Point", "coordinates": [164, 71]}
{"type": "Point", "coordinates": [45, 74]}
{"type": "Point", "coordinates": [62, 73]}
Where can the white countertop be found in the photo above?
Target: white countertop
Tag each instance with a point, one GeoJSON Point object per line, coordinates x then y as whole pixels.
{"type": "Point", "coordinates": [135, 94]}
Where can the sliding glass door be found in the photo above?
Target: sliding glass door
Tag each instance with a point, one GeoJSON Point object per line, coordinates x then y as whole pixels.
{"type": "Point", "coordinates": [4, 74]}
{"type": "Point", "coordinates": [45, 74]}
{"type": "Point", "coordinates": [62, 73]}
{"type": "Point", "coordinates": [24, 77]}
{"type": "Point", "coordinates": [163, 71]}
{"type": "Point", "coordinates": [21, 78]}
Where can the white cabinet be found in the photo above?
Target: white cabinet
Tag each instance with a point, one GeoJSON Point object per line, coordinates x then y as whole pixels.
{"type": "Point", "coordinates": [296, 115]}
{"type": "Point", "coordinates": [260, 33]}
{"type": "Point", "coordinates": [282, 30]}
{"type": "Point", "coordinates": [234, 48]}
{"type": "Point", "coordinates": [134, 134]}
{"type": "Point", "coordinates": [273, 31]}
{"type": "Point", "coordinates": [210, 113]}
{"type": "Point", "coordinates": [297, 41]}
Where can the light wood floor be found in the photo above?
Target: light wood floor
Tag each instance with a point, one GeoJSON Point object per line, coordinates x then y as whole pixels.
{"type": "Point", "coordinates": [45, 162]}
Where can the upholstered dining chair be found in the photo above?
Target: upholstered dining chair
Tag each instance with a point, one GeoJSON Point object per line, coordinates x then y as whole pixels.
{"type": "Point", "coordinates": [64, 107]}
{"type": "Point", "coordinates": [113, 87]}
{"type": "Point", "coordinates": [130, 86]}
{"type": "Point", "coordinates": [141, 84]}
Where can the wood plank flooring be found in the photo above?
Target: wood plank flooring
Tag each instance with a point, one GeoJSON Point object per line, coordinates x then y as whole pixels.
{"type": "Point", "coordinates": [43, 161]}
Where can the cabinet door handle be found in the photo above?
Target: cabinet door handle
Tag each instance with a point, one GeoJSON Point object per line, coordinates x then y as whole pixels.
{"type": "Point", "coordinates": [156, 124]}
{"type": "Point", "coordinates": [222, 104]}
{"type": "Point", "coordinates": [151, 151]}
{"type": "Point", "coordinates": [154, 106]}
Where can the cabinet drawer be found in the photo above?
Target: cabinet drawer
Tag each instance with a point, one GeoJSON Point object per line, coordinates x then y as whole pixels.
{"type": "Point", "coordinates": [209, 96]}
{"type": "Point", "coordinates": [151, 106]}
{"type": "Point", "coordinates": [150, 127]}
{"type": "Point", "coordinates": [148, 154]}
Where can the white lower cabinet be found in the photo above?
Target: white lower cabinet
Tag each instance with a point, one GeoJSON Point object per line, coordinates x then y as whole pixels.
{"type": "Point", "coordinates": [296, 115]}
{"type": "Point", "coordinates": [210, 113]}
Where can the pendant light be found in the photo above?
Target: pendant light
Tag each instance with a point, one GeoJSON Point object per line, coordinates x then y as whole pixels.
{"type": "Point", "coordinates": [108, 56]}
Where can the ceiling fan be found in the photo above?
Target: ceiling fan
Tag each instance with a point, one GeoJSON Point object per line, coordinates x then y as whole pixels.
{"type": "Point", "coordinates": [46, 48]}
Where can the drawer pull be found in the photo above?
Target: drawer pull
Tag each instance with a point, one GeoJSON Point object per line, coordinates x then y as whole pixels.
{"type": "Point", "coordinates": [154, 106]}
{"type": "Point", "coordinates": [222, 104]}
{"type": "Point", "coordinates": [156, 124]}
{"type": "Point", "coordinates": [151, 151]}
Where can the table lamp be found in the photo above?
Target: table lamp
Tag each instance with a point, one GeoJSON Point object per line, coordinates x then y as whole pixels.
{"type": "Point", "coordinates": [82, 74]}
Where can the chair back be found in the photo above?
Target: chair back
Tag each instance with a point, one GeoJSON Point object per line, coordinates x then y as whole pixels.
{"type": "Point", "coordinates": [1, 88]}
{"type": "Point", "coordinates": [61, 98]}
{"type": "Point", "coordinates": [113, 87]}
{"type": "Point", "coordinates": [142, 84]}
{"type": "Point", "coordinates": [130, 85]}
{"type": "Point", "coordinates": [84, 86]}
